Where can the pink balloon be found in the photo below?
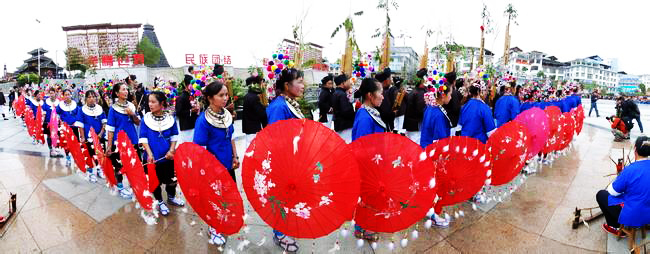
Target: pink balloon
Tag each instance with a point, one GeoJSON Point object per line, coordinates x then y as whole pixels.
{"type": "Point", "coordinates": [271, 75]}
{"type": "Point", "coordinates": [280, 66]}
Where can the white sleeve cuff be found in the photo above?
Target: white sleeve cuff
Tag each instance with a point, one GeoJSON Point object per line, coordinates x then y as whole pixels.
{"type": "Point", "coordinates": [143, 141]}
{"type": "Point", "coordinates": [491, 132]}
{"type": "Point", "coordinates": [110, 128]}
{"type": "Point", "coordinates": [78, 124]}
{"type": "Point", "coordinates": [104, 121]}
{"type": "Point", "coordinates": [611, 191]}
{"type": "Point", "coordinates": [174, 138]}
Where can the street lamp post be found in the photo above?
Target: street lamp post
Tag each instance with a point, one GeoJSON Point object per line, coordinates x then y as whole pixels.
{"type": "Point", "coordinates": [39, 56]}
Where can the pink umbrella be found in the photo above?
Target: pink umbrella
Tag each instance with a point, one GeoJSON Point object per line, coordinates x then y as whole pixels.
{"type": "Point", "coordinates": [54, 129]}
{"type": "Point", "coordinates": [536, 121]}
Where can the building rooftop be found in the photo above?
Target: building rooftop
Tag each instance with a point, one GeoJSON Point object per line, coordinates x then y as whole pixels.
{"type": "Point", "coordinates": [100, 26]}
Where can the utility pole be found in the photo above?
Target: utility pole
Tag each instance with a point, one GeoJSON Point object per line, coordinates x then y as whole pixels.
{"type": "Point", "coordinates": [39, 56]}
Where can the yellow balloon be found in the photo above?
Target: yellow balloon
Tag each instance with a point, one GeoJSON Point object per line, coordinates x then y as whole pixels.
{"type": "Point", "coordinates": [273, 67]}
{"type": "Point", "coordinates": [436, 77]}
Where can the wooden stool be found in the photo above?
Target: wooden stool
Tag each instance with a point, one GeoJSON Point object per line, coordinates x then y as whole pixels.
{"type": "Point", "coordinates": [631, 236]}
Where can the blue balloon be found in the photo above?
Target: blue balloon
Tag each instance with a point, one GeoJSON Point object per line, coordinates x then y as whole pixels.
{"type": "Point", "coordinates": [278, 70]}
{"type": "Point", "coordinates": [441, 82]}
{"type": "Point", "coordinates": [280, 56]}
{"type": "Point", "coordinates": [485, 76]}
{"type": "Point", "coordinates": [435, 72]}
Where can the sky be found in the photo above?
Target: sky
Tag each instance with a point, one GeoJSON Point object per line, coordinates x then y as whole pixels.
{"type": "Point", "coordinates": [250, 30]}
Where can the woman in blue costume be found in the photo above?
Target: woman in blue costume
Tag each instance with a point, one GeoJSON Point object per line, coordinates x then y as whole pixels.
{"type": "Point", "coordinates": [436, 124]}
{"type": "Point", "coordinates": [158, 136]}
{"type": "Point", "coordinates": [50, 104]}
{"type": "Point", "coordinates": [476, 117]}
{"type": "Point", "coordinates": [67, 111]}
{"type": "Point", "coordinates": [367, 119]}
{"type": "Point", "coordinates": [290, 86]}
{"type": "Point", "coordinates": [121, 117]}
{"type": "Point", "coordinates": [507, 107]}
{"type": "Point", "coordinates": [91, 116]}
{"type": "Point", "coordinates": [626, 201]}
{"type": "Point", "coordinates": [213, 130]}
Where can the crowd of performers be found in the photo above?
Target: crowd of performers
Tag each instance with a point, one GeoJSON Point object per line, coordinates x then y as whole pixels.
{"type": "Point", "coordinates": [471, 106]}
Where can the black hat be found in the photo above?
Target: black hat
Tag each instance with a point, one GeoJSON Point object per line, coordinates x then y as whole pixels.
{"type": "Point", "coordinates": [218, 69]}
{"type": "Point", "coordinates": [421, 73]}
{"type": "Point", "coordinates": [384, 75]}
{"type": "Point", "coordinates": [340, 79]}
{"type": "Point", "coordinates": [327, 78]}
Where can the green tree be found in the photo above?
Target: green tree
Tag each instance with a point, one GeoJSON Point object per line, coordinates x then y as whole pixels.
{"type": "Point", "coordinates": [122, 52]}
{"type": "Point", "coordinates": [525, 69]}
{"type": "Point", "coordinates": [642, 88]}
{"type": "Point", "coordinates": [540, 74]}
{"type": "Point", "coordinates": [75, 60]}
{"type": "Point", "coordinates": [28, 78]}
{"type": "Point", "coordinates": [309, 63]}
{"type": "Point", "coordinates": [151, 52]}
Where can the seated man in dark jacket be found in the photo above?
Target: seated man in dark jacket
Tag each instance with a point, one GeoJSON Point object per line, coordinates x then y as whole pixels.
{"type": "Point", "coordinates": [325, 99]}
{"type": "Point", "coordinates": [343, 108]}
{"type": "Point", "coordinates": [254, 113]}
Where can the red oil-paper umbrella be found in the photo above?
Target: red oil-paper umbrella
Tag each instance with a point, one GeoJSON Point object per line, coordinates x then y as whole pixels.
{"type": "Point", "coordinates": [30, 122]}
{"type": "Point", "coordinates": [568, 130]}
{"type": "Point", "coordinates": [132, 168]}
{"type": "Point", "coordinates": [38, 126]}
{"type": "Point", "coordinates": [554, 115]}
{"type": "Point", "coordinates": [398, 182]}
{"type": "Point", "coordinates": [509, 148]}
{"type": "Point", "coordinates": [19, 105]}
{"type": "Point", "coordinates": [75, 149]}
{"type": "Point", "coordinates": [580, 117]}
{"type": "Point", "coordinates": [209, 188]}
{"type": "Point", "coordinates": [301, 178]}
{"type": "Point", "coordinates": [152, 177]}
{"type": "Point", "coordinates": [463, 166]}
{"type": "Point", "coordinates": [104, 161]}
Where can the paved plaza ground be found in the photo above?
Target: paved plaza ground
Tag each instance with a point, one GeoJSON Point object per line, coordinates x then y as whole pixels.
{"type": "Point", "coordinates": [58, 212]}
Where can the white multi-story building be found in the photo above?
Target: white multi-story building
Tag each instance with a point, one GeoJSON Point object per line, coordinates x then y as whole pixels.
{"type": "Point", "coordinates": [593, 70]}
{"type": "Point", "coordinates": [403, 60]}
{"type": "Point", "coordinates": [528, 65]}
{"type": "Point", "coordinates": [645, 79]}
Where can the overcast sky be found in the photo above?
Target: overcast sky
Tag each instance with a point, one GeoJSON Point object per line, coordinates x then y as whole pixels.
{"type": "Point", "coordinates": [251, 30]}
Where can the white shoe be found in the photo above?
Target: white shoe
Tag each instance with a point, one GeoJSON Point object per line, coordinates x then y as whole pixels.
{"type": "Point", "coordinates": [176, 201]}
{"type": "Point", "coordinates": [125, 193]}
{"type": "Point", "coordinates": [52, 153]}
{"type": "Point", "coordinates": [92, 177]}
{"type": "Point", "coordinates": [439, 221]}
{"type": "Point", "coordinates": [164, 210]}
{"type": "Point", "coordinates": [100, 174]}
{"type": "Point", "coordinates": [216, 238]}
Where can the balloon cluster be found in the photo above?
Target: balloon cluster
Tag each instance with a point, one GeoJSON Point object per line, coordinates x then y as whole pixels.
{"type": "Point", "coordinates": [437, 77]}
{"type": "Point", "coordinates": [280, 60]}
{"type": "Point", "coordinates": [361, 67]}
{"type": "Point", "coordinates": [202, 76]}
